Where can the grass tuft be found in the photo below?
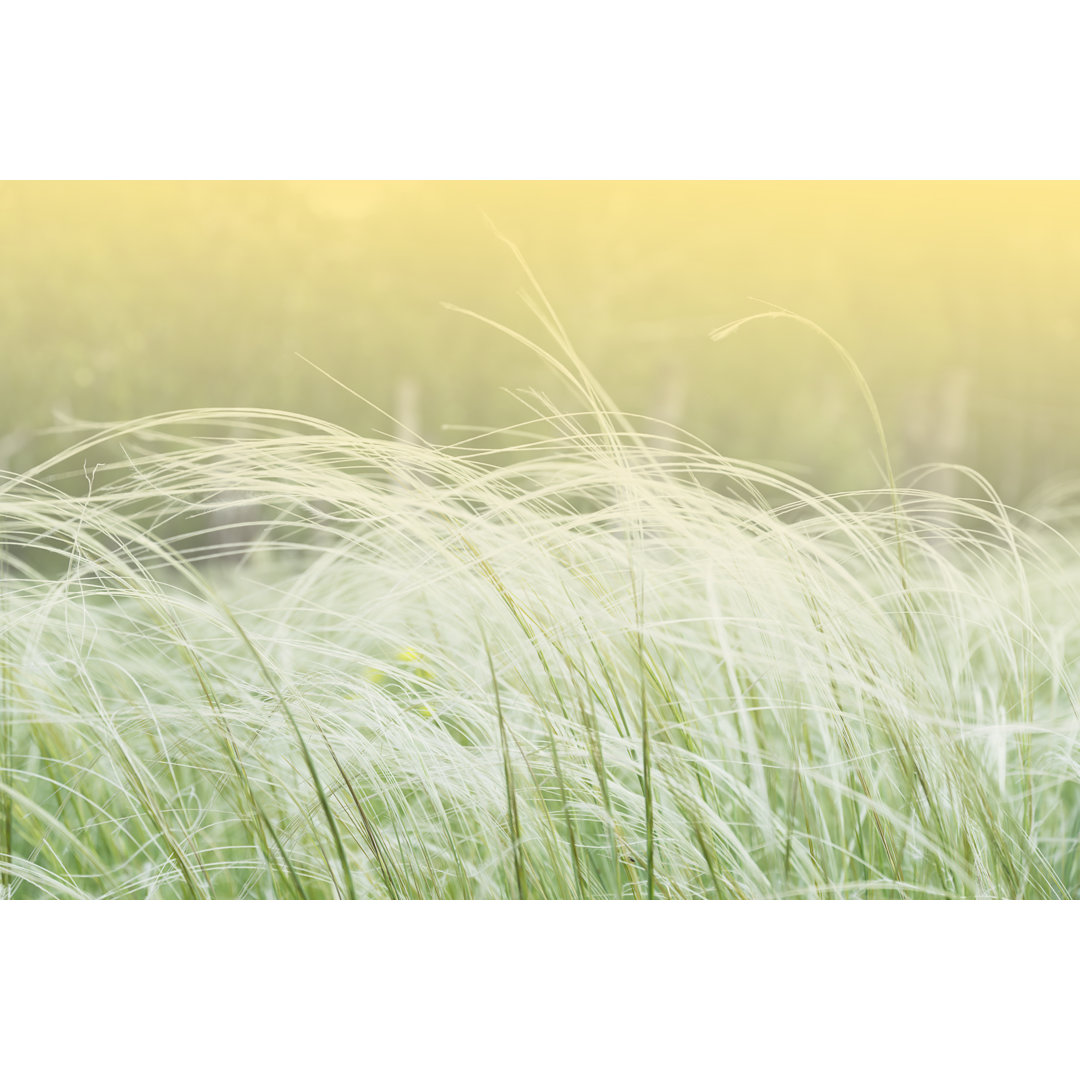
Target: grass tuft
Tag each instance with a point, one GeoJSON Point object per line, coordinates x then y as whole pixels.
{"type": "Point", "coordinates": [573, 659]}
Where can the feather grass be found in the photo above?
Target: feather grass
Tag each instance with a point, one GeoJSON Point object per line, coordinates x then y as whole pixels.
{"type": "Point", "coordinates": [591, 663]}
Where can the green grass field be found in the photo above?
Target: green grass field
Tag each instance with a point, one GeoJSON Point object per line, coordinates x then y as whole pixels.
{"type": "Point", "coordinates": [271, 658]}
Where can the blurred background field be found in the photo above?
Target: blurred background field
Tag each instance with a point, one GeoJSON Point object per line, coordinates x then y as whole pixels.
{"type": "Point", "coordinates": [959, 301]}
